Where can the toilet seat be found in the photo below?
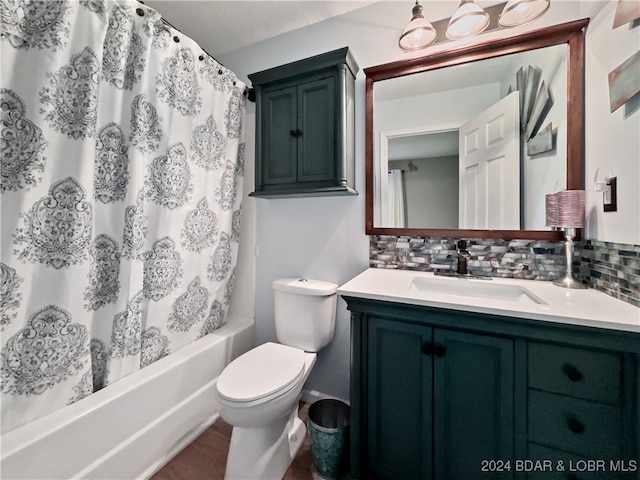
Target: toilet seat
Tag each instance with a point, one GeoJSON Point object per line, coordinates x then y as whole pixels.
{"type": "Point", "coordinates": [267, 371]}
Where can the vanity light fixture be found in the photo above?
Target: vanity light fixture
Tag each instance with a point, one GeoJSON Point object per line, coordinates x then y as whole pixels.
{"type": "Point", "coordinates": [565, 209]}
{"type": "Point", "coordinates": [519, 12]}
{"type": "Point", "coordinates": [468, 20]}
{"type": "Point", "coordinates": [419, 33]}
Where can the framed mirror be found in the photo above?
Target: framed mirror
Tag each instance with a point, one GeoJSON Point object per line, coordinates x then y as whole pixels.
{"type": "Point", "coordinates": [466, 143]}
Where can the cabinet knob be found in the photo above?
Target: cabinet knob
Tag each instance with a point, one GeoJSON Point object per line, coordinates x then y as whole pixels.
{"type": "Point", "coordinates": [295, 133]}
{"type": "Point", "coordinates": [439, 351]}
{"type": "Point", "coordinates": [427, 348]}
{"type": "Point", "coordinates": [575, 426]}
{"type": "Point", "coordinates": [572, 372]}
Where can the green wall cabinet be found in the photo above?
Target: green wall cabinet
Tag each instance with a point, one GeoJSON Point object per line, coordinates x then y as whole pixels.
{"type": "Point", "coordinates": [441, 394]}
{"type": "Point", "coordinates": [305, 127]}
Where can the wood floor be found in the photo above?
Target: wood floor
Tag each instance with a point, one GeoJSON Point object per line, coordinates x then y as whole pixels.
{"type": "Point", "coordinates": [206, 456]}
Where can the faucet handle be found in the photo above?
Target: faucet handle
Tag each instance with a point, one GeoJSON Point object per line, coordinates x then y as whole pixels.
{"type": "Point", "coordinates": [462, 245]}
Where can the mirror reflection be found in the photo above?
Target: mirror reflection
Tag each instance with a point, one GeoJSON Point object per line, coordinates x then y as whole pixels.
{"type": "Point", "coordinates": [472, 146]}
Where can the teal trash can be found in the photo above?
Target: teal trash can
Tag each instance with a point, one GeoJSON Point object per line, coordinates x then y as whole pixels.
{"type": "Point", "coordinates": [328, 427]}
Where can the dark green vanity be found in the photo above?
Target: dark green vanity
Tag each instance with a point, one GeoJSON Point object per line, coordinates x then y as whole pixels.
{"type": "Point", "coordinates": [440, 393]}
{"type": "Point", "coordinates": [305, 127]}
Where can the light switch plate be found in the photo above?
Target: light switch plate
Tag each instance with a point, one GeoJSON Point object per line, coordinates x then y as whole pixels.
{"type": "Point", "coordinates": [610, 197]}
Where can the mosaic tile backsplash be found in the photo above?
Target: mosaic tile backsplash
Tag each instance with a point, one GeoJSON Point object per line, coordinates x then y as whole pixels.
{"type": "Point", "coordinates": [611, 268]}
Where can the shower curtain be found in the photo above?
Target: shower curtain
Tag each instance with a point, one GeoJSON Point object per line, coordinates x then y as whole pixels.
{"type": "Point", "coordinates": [397, 216]}
{"type": "Point", "coordinates": [122, 159]}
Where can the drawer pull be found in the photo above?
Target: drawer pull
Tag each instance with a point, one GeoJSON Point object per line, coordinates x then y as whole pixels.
{"type": "Point", "coordinates": [575, 426]}
{"type": "Point", "coordinates": [427, 348]}
{"type": "Point", "coordinates": [572, 372]}
{"type": "Point", "coordinates": [439, 350]}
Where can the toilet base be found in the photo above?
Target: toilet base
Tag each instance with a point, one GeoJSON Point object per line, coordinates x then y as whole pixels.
{"type": "Point", "coordinates": [265, 453]}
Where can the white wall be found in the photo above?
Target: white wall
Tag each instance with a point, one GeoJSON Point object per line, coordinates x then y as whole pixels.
{"type": "Point", "coordinates": [546, 172]}
{"type": "Point", "coordinates": [431, 191]}
{"type": "Point", "coordinates": [451, 107]}
{"type": "Point", "coordinates": [612, 139]}
{"type": "Point", "coordinates": [324, 238]}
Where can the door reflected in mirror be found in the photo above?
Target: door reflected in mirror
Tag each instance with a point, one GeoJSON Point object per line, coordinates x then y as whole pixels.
{"type": "Point", "coordinates": [457, 148]}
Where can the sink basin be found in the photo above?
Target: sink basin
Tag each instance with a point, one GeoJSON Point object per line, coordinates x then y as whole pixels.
{"type": "Point", "coordinates": [461, 287]}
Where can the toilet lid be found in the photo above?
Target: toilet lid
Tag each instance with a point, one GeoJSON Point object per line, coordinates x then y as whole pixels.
{"type": "Point", "coordinates": [261, 372]}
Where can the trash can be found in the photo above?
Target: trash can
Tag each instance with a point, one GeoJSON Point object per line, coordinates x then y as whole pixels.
{"type": "Point", "coordinates": [328, 427]}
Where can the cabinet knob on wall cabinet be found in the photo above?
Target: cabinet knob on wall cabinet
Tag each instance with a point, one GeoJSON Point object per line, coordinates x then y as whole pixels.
{"type": "Point", "coordinates": [575, 426]}
{"type": "Point", "coordinates": [439, 351]}
{"type": "Point", "coordinates": [572, 372]}
{"type": "Point", "coordinates": [295, 133]}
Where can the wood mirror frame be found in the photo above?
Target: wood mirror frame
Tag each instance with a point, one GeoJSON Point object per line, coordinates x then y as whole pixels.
{"type": "Point", "coordinates": [572, 34]}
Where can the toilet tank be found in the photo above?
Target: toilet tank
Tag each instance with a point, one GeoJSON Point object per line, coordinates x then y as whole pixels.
{"type": "Point", "coordinates": [305, 312]}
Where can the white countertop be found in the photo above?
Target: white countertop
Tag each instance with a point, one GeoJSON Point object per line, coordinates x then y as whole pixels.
{"type": "Point", "coordinates": [587, 307]}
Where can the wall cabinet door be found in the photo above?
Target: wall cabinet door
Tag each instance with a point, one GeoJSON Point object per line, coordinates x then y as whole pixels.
{"type": "Point", "coordinates": [298, 133]}
{"type": "Point", "coordinates": [439, 402]}
{"type": "Point", "coordinates": [279, 149]}
{"type": "Point", "coordinates": [315, 131]}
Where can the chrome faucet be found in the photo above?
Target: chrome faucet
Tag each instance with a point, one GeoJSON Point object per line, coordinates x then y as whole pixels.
{"type": "Point", "coordinates": [463, 257]}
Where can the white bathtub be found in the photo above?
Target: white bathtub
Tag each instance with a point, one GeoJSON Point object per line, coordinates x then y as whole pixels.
{"type": "Point", "coordinates": [131, 428]}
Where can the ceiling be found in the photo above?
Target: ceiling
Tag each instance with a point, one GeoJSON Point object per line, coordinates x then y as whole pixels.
{"type": "Point", "coordinates": [221, 26]}
{"type": "Point", "coordinates": [424, 145]}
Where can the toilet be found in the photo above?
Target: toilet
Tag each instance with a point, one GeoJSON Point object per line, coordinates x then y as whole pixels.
{"type": "Point", "coordinates": [258, 392]}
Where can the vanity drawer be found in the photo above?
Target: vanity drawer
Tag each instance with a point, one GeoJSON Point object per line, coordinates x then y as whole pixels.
{"type": "Point", "coordinates": [585, 428]}
{"type": "Point", "coordinates": [571, 468]}
{"type": "Point", "coordinates": [587, 374]}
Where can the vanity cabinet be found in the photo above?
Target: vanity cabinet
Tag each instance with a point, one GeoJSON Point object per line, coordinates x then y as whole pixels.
{"type": "Point", "coordinates": [305, 127]}
{"type": "Point", "coordinates": [445, 394]}
{"type": "Point", "coordinates": [576, 407]}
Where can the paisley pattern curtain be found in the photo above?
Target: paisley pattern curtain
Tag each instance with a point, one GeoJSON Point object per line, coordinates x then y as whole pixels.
{"type": "Point", "coordinates": [122, 159]}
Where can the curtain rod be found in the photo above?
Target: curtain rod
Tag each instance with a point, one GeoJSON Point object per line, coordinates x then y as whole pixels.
{"type": "Point", "coordinates": [248, 92]}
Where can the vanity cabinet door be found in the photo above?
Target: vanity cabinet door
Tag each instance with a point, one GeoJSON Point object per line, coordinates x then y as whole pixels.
{"type": "Point", "coordinates": [473, 405]}
{"type": "Point", "coordinates": [439, 402]}
{"type": "Point", "coordinates": [399, 401]}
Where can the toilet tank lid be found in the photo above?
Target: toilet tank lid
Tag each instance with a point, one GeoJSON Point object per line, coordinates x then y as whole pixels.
{"type": "Point", "coordinates": [304, 286]}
